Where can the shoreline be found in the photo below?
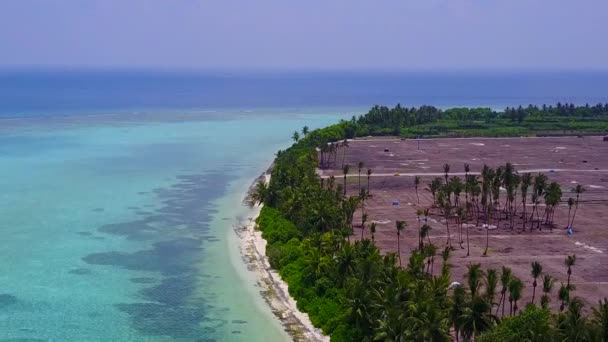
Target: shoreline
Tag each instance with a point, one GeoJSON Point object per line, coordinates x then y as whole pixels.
{"type": "Point", "coordinates": [273, 288]}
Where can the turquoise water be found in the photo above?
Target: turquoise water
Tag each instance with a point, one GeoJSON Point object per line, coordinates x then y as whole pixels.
{"type": "Point", "coordinates": [120, 228]}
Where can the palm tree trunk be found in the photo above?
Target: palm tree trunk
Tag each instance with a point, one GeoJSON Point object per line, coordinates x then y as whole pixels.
{"type": "Point", "coordinates": [399, 248]}
{"type": "Point", "coordinates": [487, 240]}
{"type": "Point", "coordinates": [468, 247]}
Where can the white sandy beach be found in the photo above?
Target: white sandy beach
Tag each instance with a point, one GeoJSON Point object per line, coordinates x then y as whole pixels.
{"type": "Point", "coordinates": [273, 288]}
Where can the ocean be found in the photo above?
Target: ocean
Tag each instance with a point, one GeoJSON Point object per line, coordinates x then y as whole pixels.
{"type": "Point", "coordinates": [120, 190]}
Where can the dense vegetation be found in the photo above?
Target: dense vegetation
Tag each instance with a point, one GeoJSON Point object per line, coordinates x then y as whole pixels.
{"type": "Point", "coordinates": [531, 120]}
{"type": "Point", "coordinates": [353, 293]}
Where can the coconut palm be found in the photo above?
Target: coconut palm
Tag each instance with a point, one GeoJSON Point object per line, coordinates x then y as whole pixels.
{"type": "Point", "coordinates": [600, 319]}
{"type": "Point", "coordinates": [261, 193]}
{"type": "Point", "coordinates": [305, 130]}
{"type": "Point", "coordinates": [429, 253]}
{"type": "Point", "coordinates": [548, 282]}
{"type": "Point", "coordinates": [419, 213]}
{"type": "Point", "coordinates": [526, 181]}
{"type": "Point", "coordinates": [491, 281]}
{"type": "Point", "coordinates": [416, 184]}
{"type": "Point", "coordinates": [505, 278]}
{"type": "Point", "coordinates": [345, 170]}
{"type": "Point", "coordinates": [360, 165]}
{"type": "Point", "coordinates": [447, 211]}
{"type": "Point", "coordinates": [570, 205]}
{"type": "Point", "coordinates": [435, 187]}
{"type": "Point", "coordinates": [460, 216]}
{"type": "Point", "coordinates": [295, 136]}
{"type": "Point", "coordinates": [467, 169]}
{"type": "Point", "coordinates": [344, 145]}
{"type": "Point", "coordinates": [553, 196]}
{"type": "Point", "coordinates": [446, 171]}
{"type": "Point", "coordinates": [569, 262]}
{"type": "Point", "coordinates": [579, 189]}
{"type": "Point", "coordinates": [363, 220]}
{"type": "Point", "coordinates": [372, 230]}
{"type": "Point", "coordinates": [537, 269]}
{"type": "Point", "coordinates": [476, 318]}
{"type": "Point", "coordinates": [424, 233]}
{"type": "Point", "coordinates": [400, 225]}
{"type": "Point", "coordinates": [515, 288]}
{"type": "Point", "coordinates": [474, 276]}
{"type": "Point", "coordinates": [564, 296]}
{"type": "Point", "coordinates": [369, 174]}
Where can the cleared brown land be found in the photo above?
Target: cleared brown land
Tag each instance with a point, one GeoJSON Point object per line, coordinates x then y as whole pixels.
{"type": "Point", "coordinates": [567, 160]}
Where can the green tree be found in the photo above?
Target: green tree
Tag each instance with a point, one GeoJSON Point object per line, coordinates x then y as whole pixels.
{"type": "Point", "coordinates": [400, 225]}
{"type": "Point", "coordinates": [537, 270]}
{"type": "Point", "coordinates": [548, 282]}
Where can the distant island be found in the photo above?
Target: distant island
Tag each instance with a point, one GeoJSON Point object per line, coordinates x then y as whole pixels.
{"type": "Point", "coordinates": [384, 233]}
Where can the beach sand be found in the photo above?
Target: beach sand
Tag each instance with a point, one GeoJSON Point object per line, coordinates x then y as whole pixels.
{"type": "Point", "coordinates": [273, 289]}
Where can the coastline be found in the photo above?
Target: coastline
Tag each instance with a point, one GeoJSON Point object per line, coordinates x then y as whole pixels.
{"type": "Point", "coordinates": [272, 287]}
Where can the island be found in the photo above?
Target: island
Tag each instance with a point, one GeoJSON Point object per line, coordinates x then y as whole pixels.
{"type": "Point", "coordinates": [423, 224]}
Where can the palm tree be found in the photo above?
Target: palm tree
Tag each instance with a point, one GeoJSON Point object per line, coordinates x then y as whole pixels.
{"type": "Point", "coordinates": [419, 213]}
{"type": "Point", "coordinates": [416, 183]}
{"type": "Point", "coordinates": [344, 145]}
{"type": "Point", "coordinates": [424, 233]}
{"type": "Point", "coordinates": [400, 225]}
{"type": "Point", "coordinates": [360, 167]}
{"type": "Point", "coordinates": [537, 269]}
{"type": "Point", "coordinates": [579, 189]}
{"type": "Point", "coordinates": [446, 171]}
{"type": "Point", "coordinates": [564, 296]}
{"type": "Point", "coordinates": [261, 193]}
{"type": "Point", "coordinates": [295, 136]}
{"type": "Point", "coordinates": [491, 284]}
{"type": "Point", "coordinates": [363, 220]}
{"type": "Point", "coordinates": [430, 251]}
{"type": "Point", "coordinates": [447, 211]}
{"type": "Point", "coordinates": [547, 287]}
{"type": "Point", "coordinates": [474, 277]}
{"type": "Point", "coordinates": [372, 229]}
{"type": "Point", "coordinates": [505, 279]}
{"type": "Point", "coordinates": [526, 181]}
{"type": "Point", "coordinates": [459, 302]}
{"type": "Point", "coordinates": [460, 216]}
{"type": "Point", "coordinates": [345, 170]}
{"type": "Point", "coordinates": [369, 173]}
{"type": "Point", "coordinates": [570, 205]}
{"type": "Point", "coordinates": [467, 169]}
{"type": "Point", "coordinates": [600, 319]}
{"type": "Point", "coordinates": [349, 206]}
{"type": "Point", "coordinates": [476, 318]}
{"type": "Point", "coordinates": [515, 288]}
{"type": "Point", "coordinates": [305, 130]}
{"type": "Point", "coordinates": [569, 262]}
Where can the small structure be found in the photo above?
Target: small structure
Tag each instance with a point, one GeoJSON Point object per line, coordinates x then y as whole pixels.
{"type": "Point", "coordinates": [454, 285]}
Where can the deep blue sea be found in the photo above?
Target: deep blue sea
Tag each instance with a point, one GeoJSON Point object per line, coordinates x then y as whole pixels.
{"type": "Point", "coordinates": [119, 191]}
{"type": "Point", "coordinates": [79, 92]}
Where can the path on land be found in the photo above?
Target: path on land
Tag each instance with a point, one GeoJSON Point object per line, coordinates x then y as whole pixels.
{"type": "Point", "coordinates": [413, 174]}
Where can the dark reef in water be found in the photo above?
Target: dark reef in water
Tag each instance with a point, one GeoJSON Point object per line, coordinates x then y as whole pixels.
{"type": "Point", "coordinates": [170, 306]}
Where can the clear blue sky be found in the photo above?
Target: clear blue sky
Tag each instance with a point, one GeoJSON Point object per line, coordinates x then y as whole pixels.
{"type": "Point", "coordinates": [310, 34]}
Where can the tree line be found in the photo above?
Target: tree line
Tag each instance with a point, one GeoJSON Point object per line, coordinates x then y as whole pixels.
{"type": "Point", "coordinates": [354, 293]}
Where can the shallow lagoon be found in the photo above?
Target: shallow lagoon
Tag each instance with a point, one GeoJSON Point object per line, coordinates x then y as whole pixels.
{"type": "Point", "coordinates": [121, 227]}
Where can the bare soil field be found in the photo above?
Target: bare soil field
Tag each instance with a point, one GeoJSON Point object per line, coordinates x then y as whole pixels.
{"type": "Point", "coordinates": [567, 160]}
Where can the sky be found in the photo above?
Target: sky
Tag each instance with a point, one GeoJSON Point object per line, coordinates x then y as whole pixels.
{"type": "Point", "coordinates": [308, 35]}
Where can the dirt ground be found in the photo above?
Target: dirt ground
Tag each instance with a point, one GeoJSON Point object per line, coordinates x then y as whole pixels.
{"type": "Point", "coordinates": [567, 160]}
